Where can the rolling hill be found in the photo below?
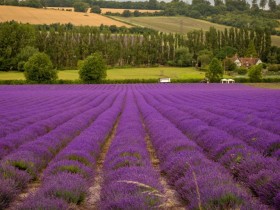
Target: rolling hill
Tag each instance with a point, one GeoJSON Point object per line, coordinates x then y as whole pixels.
{"type": "Point", "coordinates": [48, 16]}
{"type": "Point", "coordinates": [178, 24]}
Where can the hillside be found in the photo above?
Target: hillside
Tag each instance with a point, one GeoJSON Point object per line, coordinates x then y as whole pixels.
{"type": "Point", "coordinates": [171, 24]}
{"type": "Point", "coordinates": [178, 24]}
{"type": "Point", "coordinates": [104, 10]}
{"type": "Point", "coordinates": [47, 16]}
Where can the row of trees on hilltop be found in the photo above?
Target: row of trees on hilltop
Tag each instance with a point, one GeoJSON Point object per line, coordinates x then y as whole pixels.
{"type": "Point", "coordinates": [66, 45]}
{"type": "Point", "coordinates": [235, 13]}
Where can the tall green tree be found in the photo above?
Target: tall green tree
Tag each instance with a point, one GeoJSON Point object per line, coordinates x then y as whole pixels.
{"type": "Point", "coordinates": [80, 6]}
{"type": "Point", "coordinates": [215, 71]}
{"type": "Point", "coordinates": [14, 37]}
{"type": "Point", "coordinates": [23, 56]}
{"type": "Point", "coordinates": [272, 5]}
{"type": "Point", "coordinates": [251, 50]}
{"type": "Point", "coordinates": [204, 57]}
{"type": "Point", "coordinates": [93, 69]}
{"type": "Point", "coordinates": [263, 3]}
{"type": "Point", "coordinates": [255, 73]}
{"type": "Point", "coordinates": [183, 57]}
{"type": "Point", "coordinates": [255, 6]}
{"type": "Point", "coordinates": [39, 69]}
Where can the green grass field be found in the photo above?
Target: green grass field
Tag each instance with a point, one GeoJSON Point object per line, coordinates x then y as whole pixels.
{"type": "Point", "coordinates": [125, 73]}
{"type": "Point", "coordinates": [179, 24]}
{"type": "Point", "coordinates": [155, 73]}
{"type": "Point", "coordinates": [11, 75]}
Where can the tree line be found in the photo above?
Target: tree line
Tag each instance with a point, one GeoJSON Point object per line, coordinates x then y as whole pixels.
{"type": "Point", "coordinates": [67, 44]}
{"type": "Point", "coordinates": [235, 13]}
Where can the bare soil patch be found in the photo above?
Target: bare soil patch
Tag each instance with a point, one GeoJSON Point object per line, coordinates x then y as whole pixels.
{"type": "Point", "coordinates": [173, 200]}
{"type": "Point", "coordinates": [94, 191]}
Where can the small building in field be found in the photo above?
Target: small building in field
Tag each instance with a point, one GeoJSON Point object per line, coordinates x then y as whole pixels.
{"type": "Point", "coordinates": [164, 80]}
{"type": "Point", "coordinates": [227, 81]}
{"type": "Point", "coordinates": [245, 62]}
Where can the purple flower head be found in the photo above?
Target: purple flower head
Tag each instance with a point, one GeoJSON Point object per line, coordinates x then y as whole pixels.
{"type": "Point", "coordinates": [70, 187]}
{"type": "Point", "coordinates": [41, 202]}
{"type": "Point", "coordinates": [7, 192]}
{"type": "Point", "coordinates": [70, 166]}
{"type": "Point", "coordinates": [20, 178]}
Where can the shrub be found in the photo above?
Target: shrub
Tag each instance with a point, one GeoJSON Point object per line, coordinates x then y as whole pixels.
{"type": "Point", "coordinates": [229, 65]}
{"type": "Point", "coordinates": [21, 65]}
{"type": "Point", "coordinates": [215, 71]}
{"type": "Point", "coordinates": [39, 69]}
{"type": "Point", "coordinates": [242, 71]}
{"type": "Point", "coordinates": [255, 73]}
{"type": "Point", "coordinates": [80, 6]}
{"type": "Point", "coordinates": [274, 68]}
{"type": "Point", "coordinates": [93, 69]}
{"type": "Point", "coordinates": [96, 9]}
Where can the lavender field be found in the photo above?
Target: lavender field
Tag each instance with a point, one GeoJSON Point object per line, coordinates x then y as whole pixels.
{"type": "Point", "coordinates": [144, 146]}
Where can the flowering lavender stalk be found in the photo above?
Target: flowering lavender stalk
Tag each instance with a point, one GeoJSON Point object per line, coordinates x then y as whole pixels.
{"type": "Point", "coordinates": [69, 175]}
{"type": "Point", "coordinates": [33, 157]}
{"type": "Point", "coordinates": [13, 141]}
{"type": "Point", "coordinates": [180, 159]}
{"type": "Point", "coordinates": [232, 153]}
{"type": "Point", "coordinates": [129, 178]}
{"type": "Point", "coordinates": [35, 112]}
{"type": "Point", "coordinates": [266, 142]}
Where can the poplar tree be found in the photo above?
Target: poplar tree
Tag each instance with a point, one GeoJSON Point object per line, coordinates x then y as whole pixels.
{"type": "Point", "coordinates": [251, 50]}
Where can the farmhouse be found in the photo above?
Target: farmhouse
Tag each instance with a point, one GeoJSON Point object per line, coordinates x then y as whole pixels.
{"type": "Point", "coordinates": [245, 62]}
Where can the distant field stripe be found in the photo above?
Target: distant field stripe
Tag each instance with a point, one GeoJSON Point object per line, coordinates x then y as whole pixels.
{"type": "Point", "coordinates": [49, 16]}
{"type": "Point", "coordinates": [178, 24]}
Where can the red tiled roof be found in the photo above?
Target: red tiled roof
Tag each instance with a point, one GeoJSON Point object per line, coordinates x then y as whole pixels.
{"type": "Point", "coordinates": [248, 61]}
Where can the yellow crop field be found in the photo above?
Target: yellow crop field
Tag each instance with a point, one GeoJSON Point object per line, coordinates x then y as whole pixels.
{"type": "Point", "coordinates": [49, 16]}
{"type": "Point", "coordinates": [104, 10]}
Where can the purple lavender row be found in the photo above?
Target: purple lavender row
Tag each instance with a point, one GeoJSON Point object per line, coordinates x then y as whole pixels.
{"type": "Point", "coordinates": [250, 101]}
{"type": "Point", "coordinates": [238, 112]}
{"type": "Point", "coordinates": [72, 170]}
{"type": "Point", "coordinates": [53, 108]}
{"type": "Point", "coordinates": [265, 142]}
{"type": "Point", "coordinates": [26, 162]}
{"type": "Point", "coordinates": [260, 174]}
{"type": "Point", "coordinates": [249, 117]}
{"type": "Point", "coordinates": [129, 177]}
{"type": "Point", "coordinates": [16, 110]}
{"type": "Point", "coordinates": [203, 184]}
{"type": "Point", "coordinates": [42, 128]}
{"type": "Point", "coordinates": [32, 117]}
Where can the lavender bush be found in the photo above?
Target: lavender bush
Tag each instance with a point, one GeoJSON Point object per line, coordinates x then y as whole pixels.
{"type": "Point", "coordinates": [218, 145]}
